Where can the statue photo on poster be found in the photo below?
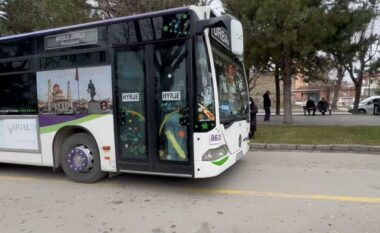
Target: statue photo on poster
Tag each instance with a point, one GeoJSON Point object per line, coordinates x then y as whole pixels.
{"type": "Point", "coordinates": [75, 91]}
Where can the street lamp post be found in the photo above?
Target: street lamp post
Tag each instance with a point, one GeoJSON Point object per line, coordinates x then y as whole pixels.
{"type": "Point", "coordinates": [369, 85]}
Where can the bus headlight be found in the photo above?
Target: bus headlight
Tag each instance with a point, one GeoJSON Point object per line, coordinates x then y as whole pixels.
{"type": "Point", "coordinates": [215, 154]}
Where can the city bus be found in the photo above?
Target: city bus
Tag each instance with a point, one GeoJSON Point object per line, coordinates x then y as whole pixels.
{"type": "Point", "coordinates": [160, 93]}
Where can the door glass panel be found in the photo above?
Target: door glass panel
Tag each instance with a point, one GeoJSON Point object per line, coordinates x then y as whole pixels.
{"type": "Point", "coordinates": [171, 100]}
{"type": "Point", "coordinates": [130, 75]}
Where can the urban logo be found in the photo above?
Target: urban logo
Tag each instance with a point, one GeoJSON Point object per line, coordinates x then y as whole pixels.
{"type": "Point", "coordinates": [221, 35]}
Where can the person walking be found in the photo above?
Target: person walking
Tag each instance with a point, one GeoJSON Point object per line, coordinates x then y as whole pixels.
{"type": "Point", "coordinates": [267, 105]}
{"type": "Point", "coordinates": [253, 111]}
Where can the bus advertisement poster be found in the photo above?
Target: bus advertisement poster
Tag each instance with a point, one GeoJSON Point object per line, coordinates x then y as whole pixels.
{"type": "Point", "coordinates": [75, 91]}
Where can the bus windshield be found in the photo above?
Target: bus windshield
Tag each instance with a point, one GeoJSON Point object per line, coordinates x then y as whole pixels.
{"type": "Point", "coordinates": [232, 86]}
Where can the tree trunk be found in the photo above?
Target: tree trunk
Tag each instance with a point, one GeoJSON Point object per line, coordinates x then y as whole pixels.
{"type": "Point", "coordinates": [337, 86]}
{"type": "Point", "coordinates": [358, 87]}
{"type": "Point", "coordinates": [358, 91]}
{"type": "Point", "coordinates": [287, 90]}
{"type": "Point", "coordinates": [278, 92]}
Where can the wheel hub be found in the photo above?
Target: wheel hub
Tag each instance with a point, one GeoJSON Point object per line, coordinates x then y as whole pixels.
{"type": "Point", "coordinates": [80, 159]}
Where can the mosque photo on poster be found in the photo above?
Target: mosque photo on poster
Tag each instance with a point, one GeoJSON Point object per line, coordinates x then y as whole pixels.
{"type": "Point", "coordinates": [75, 91]}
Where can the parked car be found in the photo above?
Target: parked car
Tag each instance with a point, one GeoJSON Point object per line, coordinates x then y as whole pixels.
{"type": "Point", "coordinates": [366, 105]}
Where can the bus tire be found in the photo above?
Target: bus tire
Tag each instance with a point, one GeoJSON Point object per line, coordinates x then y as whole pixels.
{"type": "Point", "coordinates": [80, 159]}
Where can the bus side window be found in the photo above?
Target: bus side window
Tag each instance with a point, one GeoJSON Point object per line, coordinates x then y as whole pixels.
{"type": "Point", "coordinates": [18, 94]}
{"type": "Point", "coordinates": [73, 60]}
{"type": "Point", "coordinates": [20, 48]}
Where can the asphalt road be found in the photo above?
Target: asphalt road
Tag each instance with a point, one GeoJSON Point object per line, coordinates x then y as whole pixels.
{"type": "Point", "coordinates": [265, 192]}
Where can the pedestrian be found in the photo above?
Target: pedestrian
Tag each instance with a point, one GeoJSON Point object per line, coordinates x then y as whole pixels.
{"type": "Point", "coordinates": [253, 112]}
{"type": "Point", "coordinates": [267, 105]}
{"type": "Point", "coordinates": [310, 105]}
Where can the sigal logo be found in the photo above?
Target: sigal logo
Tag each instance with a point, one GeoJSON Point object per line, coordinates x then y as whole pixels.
{"type": "Point", "coordinates": [19, 127]}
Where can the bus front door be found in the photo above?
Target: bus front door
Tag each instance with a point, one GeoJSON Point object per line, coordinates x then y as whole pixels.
{"type": "Point", "coordinates": [152, 109]}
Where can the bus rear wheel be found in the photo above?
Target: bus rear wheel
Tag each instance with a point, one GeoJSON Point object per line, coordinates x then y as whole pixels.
{"type": "Point", "coordinates": [80, 159]}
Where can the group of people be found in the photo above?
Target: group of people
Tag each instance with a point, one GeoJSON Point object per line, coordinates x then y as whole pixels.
{"type": "Point", "coordinates": [322, 106]}
{"type": "Point", "coordinates": [254, 110]}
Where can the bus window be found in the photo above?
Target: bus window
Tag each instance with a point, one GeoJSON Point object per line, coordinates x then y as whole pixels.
{"type": "Point", "coordinates": [15, 66]}
{"type": "Point", "coordinates": [146, 29]}
{"type": "Point", "coordinates": [18, 94]}
{"type": "Point", "coordinates": [232, 88]}
{"type": "Point", "coordinates": [17, 48]}
{"type": "Point", "coordinates": [170, 65]}
{"type": "Point", "coordinates": [205, 109]}
{"type": "Point", "coordinates": [123, 33]}
{"type": "Point", "coordinates": [73, 60]}
{"type": "Point", "coordinates": [149, 29]}
{"type": "Point", "coordinates": [130, 76]}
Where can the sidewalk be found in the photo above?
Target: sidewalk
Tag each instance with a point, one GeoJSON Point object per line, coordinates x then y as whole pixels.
{"type": "Point", "coordinates": [336, 118]}
{"type": "Point", "coordinates": [299, 112]}
{"type": "Point", "coordinates": [318, 119]}
{"type": "Point", "coordinates": [318, 148]}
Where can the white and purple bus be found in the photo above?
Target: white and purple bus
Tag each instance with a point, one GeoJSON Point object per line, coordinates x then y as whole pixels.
{"type": "Point", "coordinates": [161, 93]}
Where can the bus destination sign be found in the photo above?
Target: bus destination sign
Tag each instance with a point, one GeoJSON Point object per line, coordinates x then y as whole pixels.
{"type": "Point", "coordinates": [221, 35]}
{"type": "Point", "coordinates": [71, 39]}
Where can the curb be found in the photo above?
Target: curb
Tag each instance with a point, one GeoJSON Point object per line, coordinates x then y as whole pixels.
{"type": "Point", "coordinates": [320, 148]}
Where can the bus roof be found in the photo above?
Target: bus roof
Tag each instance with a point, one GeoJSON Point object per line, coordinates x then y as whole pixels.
{"type": "Point", "coordinates": [95, 23]}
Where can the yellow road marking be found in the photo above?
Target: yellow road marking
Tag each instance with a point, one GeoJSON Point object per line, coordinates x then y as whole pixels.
{"type": "Point", "coordinates": [227, 191]}
{"type": "Point", "coordinates": [18, 178]}
{"type": "Point", "coordinates": [52, 180]}
{"type": "Point", "coordinates": [293, 196]}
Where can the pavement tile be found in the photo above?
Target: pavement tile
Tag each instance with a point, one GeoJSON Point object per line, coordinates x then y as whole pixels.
{"type": "Point", "coordinates": [274, 146]}
{"type": "Point", "coordinates": [255, 146]}
{"type": "Point", "coordinates": [305, 147]}
{"type": "Point", "coordinates": [341, 147]}
{"type": "Point", "coordinates": [374, 148]}
{"type": "Point", "coordinates": [289, 146]}
{"type": "Point", "coordinates": [323, 147]}
{"type": "Point", "coordinates": [359, 148]}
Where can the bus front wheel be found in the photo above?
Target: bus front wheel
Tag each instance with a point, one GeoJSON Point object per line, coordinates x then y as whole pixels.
{"type": "Point", "coordinates": [80, 159]}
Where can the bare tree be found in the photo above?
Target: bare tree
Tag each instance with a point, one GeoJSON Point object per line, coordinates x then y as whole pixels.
{"type": "Point", "coordinates": [366, 45]}
{"type": "Point", "coordinates": [117, 8]}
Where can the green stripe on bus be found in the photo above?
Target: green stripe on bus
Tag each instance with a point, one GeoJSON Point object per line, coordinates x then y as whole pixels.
{"type": "Point", "coordinates": [221, 161]}
{"type": "Point", "coordinates": [53, 128]}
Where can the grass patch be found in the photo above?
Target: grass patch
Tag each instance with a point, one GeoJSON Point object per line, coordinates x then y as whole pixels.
{"type": "Point", "coordinates": [315, 135]}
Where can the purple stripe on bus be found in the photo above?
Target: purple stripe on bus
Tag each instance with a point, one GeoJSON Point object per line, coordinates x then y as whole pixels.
{"type": "Point", "coordinates": [48, 120]}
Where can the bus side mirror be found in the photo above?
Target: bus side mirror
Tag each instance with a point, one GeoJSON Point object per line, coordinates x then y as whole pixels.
{"type": "Point", "coordinates": [237, 40]}
{"type": "Point", "coordinates": [226, 29]}
{"type": "Point", "coordinates": [221, 21]}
